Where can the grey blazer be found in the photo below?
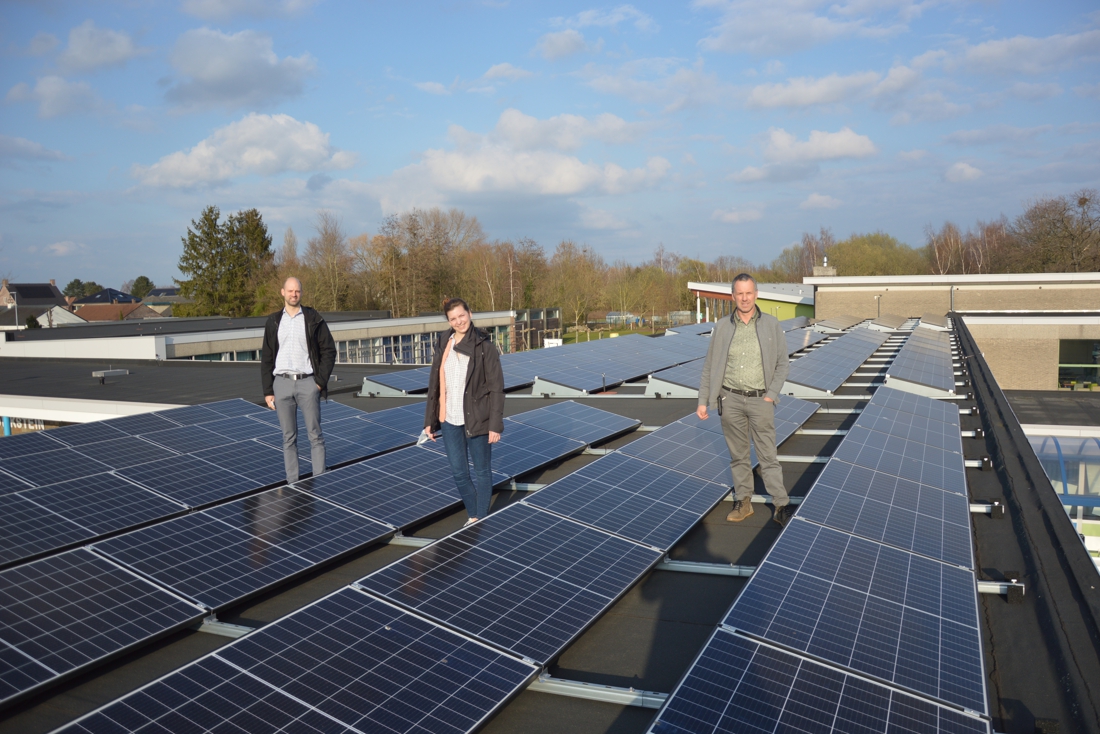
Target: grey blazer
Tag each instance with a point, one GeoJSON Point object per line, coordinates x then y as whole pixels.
{"type": "Point", "coordinates": [773, 353]}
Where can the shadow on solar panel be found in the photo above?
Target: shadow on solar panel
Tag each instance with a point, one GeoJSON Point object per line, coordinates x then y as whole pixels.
{"type": "Point", "coordinates": [346, 663]}
{"type": "Point", "coordinates": [73, 610]}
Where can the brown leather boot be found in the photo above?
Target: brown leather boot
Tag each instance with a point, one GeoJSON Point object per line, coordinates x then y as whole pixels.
{"type": "Point", "coordinates": [741, 510]}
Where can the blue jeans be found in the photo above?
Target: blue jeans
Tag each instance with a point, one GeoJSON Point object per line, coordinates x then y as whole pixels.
{"type": "Point", "coordinates": [475, 494]}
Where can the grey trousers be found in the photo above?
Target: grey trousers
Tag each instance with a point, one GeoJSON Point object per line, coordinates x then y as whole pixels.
{"type": "Point", "coordinates": [744, 418]}
{"type": "Point", "coordinates": [290, 396]}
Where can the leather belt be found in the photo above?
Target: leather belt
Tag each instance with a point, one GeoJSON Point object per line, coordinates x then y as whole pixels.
{"type": "Point", "coordinates": [294, 375]}
{"type": "Point", "coordinates": [746, 393]}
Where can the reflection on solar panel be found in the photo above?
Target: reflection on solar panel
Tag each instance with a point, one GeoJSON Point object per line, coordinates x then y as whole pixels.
{"type": "Point", "coordinates": [737, 684]}
{"type": "Point", "coordinates": [228, 552]}
{"type": "Point", "coordinates": [581, 422]}
{"type": "Point", "coordinates": [122, 452]}
{"type": "Point", "coordinates": [691, 329]}
{"type": "Point", "coordinates": [523, 579]}
{"type": "Point", "coordinates": [826, 368]}
{"type": "Point", "coordinates": [798, 322]}
{"type": "Point", "coordinates": [407, 419]}
{"type": "Point", "coordinates": [685, 448]}
{"type": "Point", "coordinates": [28, 529]}
{"type": "Point", "coordinates": [103, 503]}
{"type": "Point", "coordinates": [391, 499]}
{"type": "Point", "coordinates": [916, 404]}
{"type": "Point", "coordinates": [799, 339]}
{"type": "Point", "coordinates": [70, 610]}
{"type": "Point", "coordinates": [234, 407]}
{"type": "Point", "coordinates": [934, 320]}
{"type": "Point", "coordinates": [242, 428]}
{"type": "Point", "coordinates": [252, 459]}
{"type": "Point", "coordinates": [345, 661]}
{"type": "Point", "coordinates": [890, 510]}
{"type": "Point", "coordinates": [81, 433]}
{"type": "Point", "coordinates": [896, 616]}
{"type": "Point", "coordinates": [141, 423]}
{"type": "Point", "coordinates": [51, 467]}
{"type": "Point", "coordinates": [917, 462]}
{"type": "Point", "coordinates": [889, 321]}
{"type": "Point", "coordinates": [409, 382]}
{"type": "Point", "coordinates": [837, 323]}
{"type": "Point", "coordinates": [189, 415]}
{"type": "Point", "coordinates": [632, 498]}
{"type": "Point", "coordinates": [27, 443]}
{"type": "Point", "coordinates": [924, 364]}
{"type": "Point", "coordinates": [185, 439]}
{"type": "Point", "coordinates": [189, 480]}
{"type": "Point", "coordinates": [423, 466]}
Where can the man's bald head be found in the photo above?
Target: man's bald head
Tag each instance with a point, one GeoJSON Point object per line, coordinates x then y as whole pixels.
{"type": "Point", "coordinates": [292, 293]}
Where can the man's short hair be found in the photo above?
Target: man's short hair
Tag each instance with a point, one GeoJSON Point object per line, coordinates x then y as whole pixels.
{"type": "Point", "coordinates": [741, 278]}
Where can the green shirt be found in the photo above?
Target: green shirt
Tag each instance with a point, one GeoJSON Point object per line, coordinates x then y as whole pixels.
{"type": "Point", "coordinates": [744, 366]}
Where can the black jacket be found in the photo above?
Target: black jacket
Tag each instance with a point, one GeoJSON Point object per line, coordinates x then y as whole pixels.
{"type": "Point", "coordinates": [322, 349]}
{"type": "Point", "coordinates": [483, 398]}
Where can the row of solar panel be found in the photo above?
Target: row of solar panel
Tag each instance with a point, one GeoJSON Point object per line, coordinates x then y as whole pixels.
{"type": "Point", "coordinates": [590, 366]}
{"type": "Point", "coordinates": [798, 322]}
{"type": "Point", "coordinates": [859, 580]}
{"type": "Point", "coordinates": [827, 367]}
{"type": "Point", "coordinates": [925, 359]}
{"type": "Point", "coordinates": [226, 553]}
{"type": "Point", "coordinates": [525, 580]}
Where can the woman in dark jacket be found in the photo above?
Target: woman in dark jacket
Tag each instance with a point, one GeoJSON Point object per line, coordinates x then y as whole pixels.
{"type": "Point", "coordinates": [466, 405]}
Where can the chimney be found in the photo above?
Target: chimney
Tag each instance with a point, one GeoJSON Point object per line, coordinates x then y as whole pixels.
{"type": "Point", "coordinates": [4, 283]}
{"type": "Point", "coordinates": [53, 282]}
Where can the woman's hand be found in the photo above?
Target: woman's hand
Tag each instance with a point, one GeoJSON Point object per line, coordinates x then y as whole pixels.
{"type": "Point", "coordinates": [428, 432]}
{"type": "Point", "coordinates": [493, 436]}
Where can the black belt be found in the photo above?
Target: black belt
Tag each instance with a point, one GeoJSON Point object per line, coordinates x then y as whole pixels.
{"type": "Point", "coordinates": [746, 393]}
{"type": "Point", "coordinates": [294, 375]}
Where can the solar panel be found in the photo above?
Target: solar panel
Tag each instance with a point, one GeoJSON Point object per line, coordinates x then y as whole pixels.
{"type": "Point", "coordinates": [347, 660]}
{"type": "Point", "coordinates": [523, 448]}
{"type": "Point", "coordinates": [9, 484]}
{"type": "Point", "coordinates": [691, 329]}
{"type": "Point", "coordinates": [379, 495]}
{"type": "Point", "coordinates": [839, 323]}
{"type": "Point", "coordinates": [252, 459]}
{"type": "Point", "coordinates": [425, 466]}
{"type": "Point", "coordinates": [185, 439]}
{"type": "Point", "coordinates": [925, 360]}
{"type": "Point", "coordinates": [827, 367]}
{"type": "Point", "coordinates": [51, 467]}
{"type": "Point", "coordinates": [899, 617]}
{"type": "Point", "coordinates": [79, 434]}
{"type": "Point", "coordinates": [890, 510]}
{"type": "Point", "coordinates": [917, 462]}
{"type": "Point", "coordinates": [141, 423]}
{"type": "Point", "coordinates": [119, 453]}
{"type": "Point", "coordinates": [189, 415]}
{"type": "Point", "coordinates": [798, 322]}
{"type": "Point", "coordinates": [911, 427]}
{"type": "Point", "coordinates": [189, 480]}
{"type": "Point", "coordinates": [577, 421]}
{"type": "Point", "coordinates": [688, 375]}
{"type": "Point", "coordinates": [407, 381]}
{"type": "Point", "coordinates": [28, 529]}
{"type": "Point", "coordinates": [916, 404]}
{"type": "Point", "coordinates": [242, 428]}
{"type": "Point", "coordinates": [406, 419]}
{"type": "Point", "coordinates": [632, 498]}
{"type": "Point", "coordinates": [737, 684]}
{"type": "Point", "coordinates": [934, 319]}
{"type": "Point", "coordinates": [799, 339]}
{"type": "Point", "coordinates": [687, 449]}
{"type": "Point", "coordinates": [576, 378]}
{"type": "Point", "coordinates": [234, 407]}
{"type": "Point", "coordinates": [372, 437]}
{"type": "Point", "coordinates": [27, 443]}
{"type": "Point", "coordinates": [103, 503]}
{"type": "Point", "coordinates": [522, 579]}
{"type": "Point", "coordinates": [73, 609]}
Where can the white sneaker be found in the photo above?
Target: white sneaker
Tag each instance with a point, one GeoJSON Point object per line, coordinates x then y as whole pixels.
{"type": "Point", "coordinates": [471, 521]}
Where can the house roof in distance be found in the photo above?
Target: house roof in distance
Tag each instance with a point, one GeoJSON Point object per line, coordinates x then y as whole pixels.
{"type": "Point", "coordinates": [33, 294]}
{"type": "Point", "coordinates": [107, 295]}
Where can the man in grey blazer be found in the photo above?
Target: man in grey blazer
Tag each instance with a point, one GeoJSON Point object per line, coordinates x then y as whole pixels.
{"type": "Point", "coordinates": [744, 371]}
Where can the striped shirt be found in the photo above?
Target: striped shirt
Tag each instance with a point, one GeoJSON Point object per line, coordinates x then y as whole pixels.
{"type": "Point", "coordinates": [293, 353]}
{"type": "Point", "coordinates": [454, 372]}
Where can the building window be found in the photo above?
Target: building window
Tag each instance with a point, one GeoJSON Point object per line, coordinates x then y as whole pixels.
{"type": "Point", "coordinates": [1078, 362]}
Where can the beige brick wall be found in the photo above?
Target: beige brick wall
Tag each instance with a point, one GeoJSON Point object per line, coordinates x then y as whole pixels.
{"type": "Point", "coordinates": [899, 301]}
{"type": "Point", "coordinates": [1027, 298]}
{"type": "Point", "coordinates": [916, 300]}
{"type": "Point", "coordinates": [1020, 363]}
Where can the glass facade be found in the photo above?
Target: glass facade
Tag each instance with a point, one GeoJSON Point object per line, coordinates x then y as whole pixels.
{"type": "Point", "coordinates": [1073, 466]}
{"type": "Point", "coordinates": [1078, 363]}
{"type": "Point", "coordinates": [405, 348]}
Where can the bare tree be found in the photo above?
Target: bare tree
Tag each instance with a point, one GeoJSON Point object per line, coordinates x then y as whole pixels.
{"type": "Point", "coordinates": [328, 264]}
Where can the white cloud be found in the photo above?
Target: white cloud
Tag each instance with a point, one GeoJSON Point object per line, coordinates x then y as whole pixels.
{"type": "Point", "coordinates": [783, 147]}
{"type": "Point", "coordinates": [561, 44]}
{"type": "Point", "coordinates": [784, 26]}
{"type": "Point", "coordinates": [506, 71]}
{"type": "Point", "coordinates": [65, 248]}
{"type": "Point", "coordinates": [563, 132]}
{"type": "Point", "coordinates": [432, 88]}
{"type": "Point", "coordinates": [960, 172]}
{"type": "Point", "coordinates": [264, 145]}
{"type": "Point", "coordinates": [995, 134]}
{"type": "Point", "coordinates": [56, 96]}
{"type": "Point", "coordinates": [774, 173]}
{"type": "Point", "coordinates": [737, 216]}
{"type": "Point", "coordinates": [912, 155]}
{"type": "Point", "coordinates": [92, 48]}
{"type": "Point", "coordinates": [898, 80]}
{"type": "Point", "coordinates": [226, 9]}
{"type": "Point", "coordinates": [42, 44]}
{"type": "Point", "coordinates": [928, 107]}
{"type": "Point", "coordinates": [20, 148]}
{"type": "Point", "coordinates": [806, 91]}
{"type": "Point", "coordinates": [666, 82]}
{"type": "Point", "coordinates": [234, 70]}
{"type": "Point", "coordinates": [1029, 55]}
{"type": "Point", "coordinates": [601, 219]}
{"type": "Point", "coordinates": [820, 201]}
{"type": "Point", "coordinates": [609, 19]}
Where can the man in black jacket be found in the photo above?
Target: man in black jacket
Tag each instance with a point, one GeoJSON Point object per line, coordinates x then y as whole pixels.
{"type": "Point", "coordinates": [298, 357]}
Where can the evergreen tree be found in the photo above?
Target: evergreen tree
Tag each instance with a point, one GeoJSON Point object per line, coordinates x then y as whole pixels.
{"type": "Point", "coordinates": [141, 287]}
{"type": "Point", "coordinates": [75, 288]}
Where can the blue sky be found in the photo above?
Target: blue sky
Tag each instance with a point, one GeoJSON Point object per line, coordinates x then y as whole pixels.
{"type": "Point", "coordinates": [714, 127]}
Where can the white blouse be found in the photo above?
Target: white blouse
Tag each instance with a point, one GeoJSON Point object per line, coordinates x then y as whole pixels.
{"type": "Point", "coordinates": [454, 372]}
